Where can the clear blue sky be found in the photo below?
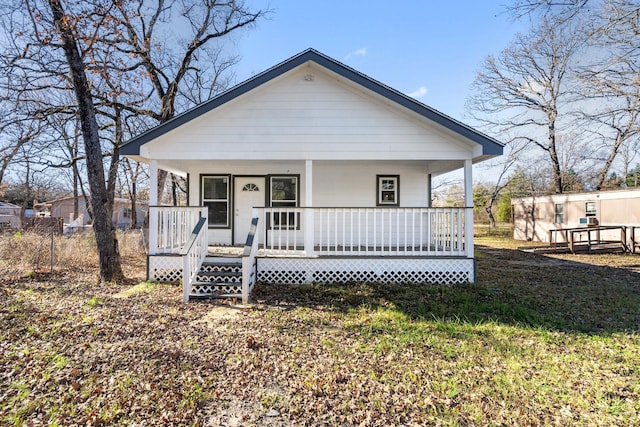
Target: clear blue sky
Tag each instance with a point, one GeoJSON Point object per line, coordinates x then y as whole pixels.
{"type": "Point", "coordinates": [427, 48]}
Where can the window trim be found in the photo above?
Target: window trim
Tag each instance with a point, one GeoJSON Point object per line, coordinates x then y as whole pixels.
{"type": "Point", "coordinates": [228, 200]}
{"type": "Point", "coordinates": [379, 190]}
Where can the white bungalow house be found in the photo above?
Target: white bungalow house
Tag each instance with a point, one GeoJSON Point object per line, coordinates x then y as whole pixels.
{"type": "Point", "coordinates": [321, 173]}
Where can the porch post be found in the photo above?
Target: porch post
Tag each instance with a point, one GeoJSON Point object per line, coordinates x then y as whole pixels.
{"type": "Point", "coordinates": [468, 202]}
{"type": "Point", "coordinates": [153, 183]}
{"type": "Point", "coordinates": [308, 212]}
{"type": "Point", "coordinates": [429, 191]}
{"type": "Point", "coordinates": [153, 202]}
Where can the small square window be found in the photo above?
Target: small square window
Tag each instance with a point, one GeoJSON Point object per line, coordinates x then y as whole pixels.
{"type": "Point", "coordinates": [388, 190]}
{"type": "Point", "coordinates": [284, 191]}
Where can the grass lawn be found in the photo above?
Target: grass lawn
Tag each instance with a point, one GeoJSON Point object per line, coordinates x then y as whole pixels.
{"type": "Point", "coordinates": [539, 340]}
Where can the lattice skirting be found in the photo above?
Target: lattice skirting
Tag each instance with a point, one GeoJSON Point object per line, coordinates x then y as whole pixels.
{"type": "Point", "coordinates": [366, 270]}
{"type": "Point", "coordinates": [163, 268]}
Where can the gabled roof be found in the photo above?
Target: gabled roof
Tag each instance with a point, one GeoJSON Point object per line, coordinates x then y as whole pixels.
{"type": "Point", "coordinates": [490, 145]}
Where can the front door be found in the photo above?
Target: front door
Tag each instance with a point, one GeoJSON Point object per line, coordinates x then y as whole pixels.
{"type": "Point", "coordinates": [249, 192]}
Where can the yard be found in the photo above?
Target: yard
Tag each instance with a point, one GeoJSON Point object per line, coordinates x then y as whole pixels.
{"type": "Point", "coordinates": [539, 340]}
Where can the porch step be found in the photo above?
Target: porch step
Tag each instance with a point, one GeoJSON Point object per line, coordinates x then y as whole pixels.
{"type": "Point", "coordinates": [219, 277]}
{"type": "Point", "coordinates": [215, 290]}
{"type": "Point", "coordinates": [220, 274]}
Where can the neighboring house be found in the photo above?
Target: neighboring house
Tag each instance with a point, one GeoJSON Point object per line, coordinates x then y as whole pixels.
{"type": "Point", "coordinates": [63, 208]}
{"type": "Point", "coordinates": [535, 217]}
{"type": "Point", "coordinates": [10, 216]}
{"type": "Point", "coordinates": [323, 172]}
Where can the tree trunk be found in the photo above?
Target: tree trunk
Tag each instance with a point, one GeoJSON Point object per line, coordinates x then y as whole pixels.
{"type": "Point", "coordinates": [553, 153]}
{"type": "Point", "coordinates": [162, 179]}
{"type": "Point", "coordinates": [109, 256]}
{"type": "Point", "coordinates": [134, 214]}
{"type": "Point", "coordinates": [76, 194]}
{"type": "Point", "coordinates": [489, 210]}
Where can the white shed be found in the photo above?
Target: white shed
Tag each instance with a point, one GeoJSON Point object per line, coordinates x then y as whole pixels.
{"type": "Point", "coordinates": [10, 216]}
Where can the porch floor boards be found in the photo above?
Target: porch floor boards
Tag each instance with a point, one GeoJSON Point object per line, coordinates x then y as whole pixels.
{"type": "Point", "coordinates": [350, 251]}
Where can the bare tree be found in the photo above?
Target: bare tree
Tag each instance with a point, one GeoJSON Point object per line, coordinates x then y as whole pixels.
{"type": "Point", "coordinates": [505, 163]}
{"type": "Point", "coordinates": [132, 175]}
{"type": "Point", "coordinates": [170, 76]}
{"type": "Point", "coordinates": [614, 82]}
{"type": "Point", "coordinates": [114, 58]}
{"type": "Point", "coordinates": [104, 230]}
{"type": "Point", "coordinates": [15, 135]}
{"type": "Point", "coordinates": [560, 9]}
{"type": "Point", "coordinates": [525, 90]}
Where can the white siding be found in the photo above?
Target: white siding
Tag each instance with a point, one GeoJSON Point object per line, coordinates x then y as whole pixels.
{"type": "Point", "coordinates": [351, 184]}
{"type": "Point", "coordinates": [335, 184]}
{"type": "Point", "coordinates": [293, 118]}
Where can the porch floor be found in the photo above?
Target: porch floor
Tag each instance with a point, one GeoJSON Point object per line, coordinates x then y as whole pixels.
{"type": "Point", "coordinates": [227, 251]}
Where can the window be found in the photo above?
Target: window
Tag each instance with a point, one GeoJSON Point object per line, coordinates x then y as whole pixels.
{"type": "Point", "coordinates": [284, 192]}
{"type": "Point", "coordinates": [590, 209]}
{"type": "Point", "coordinates": [215, 196]}
{"type": "Point", "coordinates": [388, 190]}
{"type": "Point", "coordinates": [559, 211]}
{"type": "Point", "coordinates": [250, 187]}
{"type": "Point", "coordinates": [126, 213]}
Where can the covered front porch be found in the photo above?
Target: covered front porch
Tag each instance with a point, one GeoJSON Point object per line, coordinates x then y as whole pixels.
{"type": "Point", "coordinates": [319, 173]}
{"type": "Point", "coordinates": [305, 244]}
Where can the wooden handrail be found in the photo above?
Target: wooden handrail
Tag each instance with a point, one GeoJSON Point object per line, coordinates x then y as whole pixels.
{"type": "Point", "coordinates": [249, 260]}
{"type": "Point", "coordinates": [194, 235]}
{"type": "Point", "coordinates": [191, 261]}
{"type": "Point", "coordinates": [250, 237]}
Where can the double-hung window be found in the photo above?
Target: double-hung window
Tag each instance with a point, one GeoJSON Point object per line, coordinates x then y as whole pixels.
{"type": "Point", "coordinates": [388, 190]}
{"type": "Point", "coordinates": [590, 209]}
{"type": "Point", "coordinates": [559, 213]}
{"type": "Point", "coordinates": [215, 196]}
{"type": "Point", "coordinates": [284, 192]}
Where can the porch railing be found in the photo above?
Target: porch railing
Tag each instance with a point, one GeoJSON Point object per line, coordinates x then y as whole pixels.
{"type": "Point", "coordinates": [367, 231]}
{"type": "Point", "coordinates": [173, 226]}
{"type": "Point", "coordinates": [193, 254]}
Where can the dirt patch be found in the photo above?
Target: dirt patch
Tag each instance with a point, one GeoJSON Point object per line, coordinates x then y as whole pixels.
{"type": "Point", "coordinates": [220, 313]}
